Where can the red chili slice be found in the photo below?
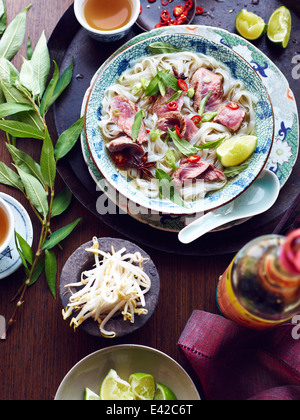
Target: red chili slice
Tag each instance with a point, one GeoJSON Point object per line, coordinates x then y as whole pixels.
{"type": "Point", "coordinates": [188, 5]}
{"type": "Point", "coordinates": [172, 106]}
{"type": "Point", "coordinates": [178, 10]}
{"type": "Point", "coordinates": [233, 106]}
{"type": "Point", "coordinates": [120, 159]}
{"type": "Point", "coordinates": [165, 16]}
{"type": "Point", "coordinates": [181, 20]}
{"type": "Point", "coordinates": [164, 3]}
{"type": "Point", "coordinates": [194, 159]}
{"type": "Point", "coordinates": [196, 119]}
{"type": "Point", "coordinates": [177, 129]}
{"type": "Point", "coordinates": [182, 85]}
{"type": "Point", "coordinates": [199, 10]}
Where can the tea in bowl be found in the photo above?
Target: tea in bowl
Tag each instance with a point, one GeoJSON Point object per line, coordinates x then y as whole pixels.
{"type": "Point", "coordinates": [107, 21]}
{"type": "Point", "coordinates": [6, 225]}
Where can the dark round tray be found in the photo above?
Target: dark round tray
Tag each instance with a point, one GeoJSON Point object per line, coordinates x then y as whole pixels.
{"type": "Point", "coordinates": [69, 41]}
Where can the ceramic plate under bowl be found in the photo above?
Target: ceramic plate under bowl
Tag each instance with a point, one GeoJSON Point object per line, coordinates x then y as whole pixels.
{"type": "Point", "coordinates": [82, 260]}
{"type": "Point", "coordinates": [240, 69]}
{"type": "Point", "coordinates": [126, 359]}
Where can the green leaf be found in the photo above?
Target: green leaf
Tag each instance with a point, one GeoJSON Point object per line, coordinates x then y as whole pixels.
{"type": "Point", "coordinates": [12, 94]}
{"type": "Point", "coordinates": [203, 103]}
{"type": "Point", "coordinates": [174, 97]}
{"type": "Point", "coordinates": [23, 259]}
{"type": "Point", "coordinates": [233, 171]}
{"type": "Point", "coordinates": [208, 116]}
{"type": "Point", "coordinates": [168, 79]}
{"type": "Point", "coordinates": [212, 144]}
{"type": "Point", "coordinates": [3, 17]}
{"type": "Point", "coordinates": [58, 236]}
{"type": "Point", "coordinates": [37, 272]}
{"type": "Point", "coordinates": [29, 79]}
{"type": "Point", "coordinates": [29, 50]}
{"type": "Point", "coordinates": [35, 192]}
{"type": "Point", "coordinates": [136, 126]}
{"type": "Point", "coordinates": [50, 90]}
{"type": "Point", "coordinates": [68, 139]}
{"type": "Point", "coordinates": [25, 248]}
{"type": "Point", "coordinates": [40, 61]}
{"type": "Point", "coordinates": [10, 108]}
{"type": "Point", "coordinates": [63, 82]}
{"type": "Point", "coordinates": [21, 130]}
{"type": "Point", "coordinates": [163, 48]}
{"type": "Point", "coordinates": [47, 162]}
{"type": "Point", "coordinates": [170, 159]}
{"type": "Point", "coordinates": [26, 162]}
{"type": "Point", "coordinates": [10, 177]}
{"type": "Point", "coordinates": [184, 147]}
{"type": "Point", "coordinates": [7, 71]}
{"type": "Point", "coordinates": [61, 202]}
{"type": "Point", "coordinates": [153, 88]}
{"type": "Point", "coordinates": [167, 189]}
{"type": "Point", "coordinates": [13, 36]}
{"type": "Point", "coordinates": [51, 270]}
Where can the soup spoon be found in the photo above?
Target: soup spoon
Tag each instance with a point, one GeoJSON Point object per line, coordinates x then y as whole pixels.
{"type": "Point", "coordinates": [257, 199]}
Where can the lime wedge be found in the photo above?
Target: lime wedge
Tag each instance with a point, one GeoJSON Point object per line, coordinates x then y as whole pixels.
{"type": "Point", "coordinates": [115, 388]}
{"type": "Point", "coordinates": [249, 25]}
{"type": "Point", "coordinates": [90, 395]}
{"type": "Point", "coordinates": [279, 27]}
{"type": "Point", "coordinates": [236, 150]}
{"type": "Point", "coordinates": [143, 385]}
{"type": "Point", "coordinates": [164, 393]}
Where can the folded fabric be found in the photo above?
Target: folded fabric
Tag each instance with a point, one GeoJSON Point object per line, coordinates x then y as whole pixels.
{"type": "Point", "coordinates": [235, 363]}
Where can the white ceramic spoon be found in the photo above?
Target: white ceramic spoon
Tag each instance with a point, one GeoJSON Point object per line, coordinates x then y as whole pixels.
{"type": "Point", "coordinates": [257, 199]}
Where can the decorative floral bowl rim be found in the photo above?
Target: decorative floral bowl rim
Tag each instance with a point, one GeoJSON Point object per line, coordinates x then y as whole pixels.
{"type": "Point", "coordinates": [118, 63]}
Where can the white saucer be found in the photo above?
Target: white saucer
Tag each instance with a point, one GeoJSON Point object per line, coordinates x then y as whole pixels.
{"type": "Point", "coordinates": [10, 259]}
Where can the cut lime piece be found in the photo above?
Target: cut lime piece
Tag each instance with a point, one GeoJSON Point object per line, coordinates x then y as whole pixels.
{"type": "Point", "coordinates": [164, 393]}
{"type": "Point", "coordinates": [115, 388]}
{"type": "Point", "coordinates": [279, 27]}
{"type": "Point", "coordinates": [236, 150]}
{"type": "Point", "coordinates": [90, 395]}
{"type": "Point", "coordinates": [249, 25]}
{"type": "Point", "coordinates": [143, 385]}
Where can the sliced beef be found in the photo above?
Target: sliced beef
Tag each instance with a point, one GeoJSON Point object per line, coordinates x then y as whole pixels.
{"type": "Point", "coordinates": [160, 108]}
{"type": "Point", "coordinates": [187, 127]}
{"type": "Point", "coordinates": [125, 145]}
{"type": "Point", "coordinates": [230, 118]}
{"type": "Point", "coordinates": [196, 170]}
{"type": "Point", "coordinates": [124, 117]}
{"type": "Point", "coordinates": [203, 81]}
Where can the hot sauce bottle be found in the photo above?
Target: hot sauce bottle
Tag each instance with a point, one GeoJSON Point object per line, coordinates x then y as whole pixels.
{"type": "Point", "coordinates": [261, 287]}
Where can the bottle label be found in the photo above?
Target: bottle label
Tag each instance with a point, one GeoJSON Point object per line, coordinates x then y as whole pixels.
{"type": "Point", "coordinates": [231, 308]}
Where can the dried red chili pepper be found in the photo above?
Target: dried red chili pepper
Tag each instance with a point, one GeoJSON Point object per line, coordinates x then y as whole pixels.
{"type": "Point", "coordinates": [196, 119]}
{"type": "Point", "coordinates": [182, 85]}
{"type": "Point", "coordinates": [178, 10]}
{"type": "Point", "coordinates": [120, 159]}
{"type": "Point", "coordinates": [199, 10]}
{"type": "Point", "coordinates": [177, 129]}
{"type": "Point", "coordinates": [181, 20]}
{"type": "Point", "coordinates": [188, 5]}
{"type": "Point", "coordinates": [194, 159]}
{"type": "Point", "coordinates": [172, 106]}
{"type": "Point", "coordinates": [165, 16]}
{"type": "Point", "coordinates": [233, 106]}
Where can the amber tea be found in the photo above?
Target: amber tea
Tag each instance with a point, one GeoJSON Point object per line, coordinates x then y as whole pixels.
{"type": "Point", "coordinates": [105, 15]}
{"type": "Point", "coordinates": [4, 226]}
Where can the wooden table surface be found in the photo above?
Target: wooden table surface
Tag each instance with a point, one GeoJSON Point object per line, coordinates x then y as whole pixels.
{"type": "Point", "coordinates": [41, 348]}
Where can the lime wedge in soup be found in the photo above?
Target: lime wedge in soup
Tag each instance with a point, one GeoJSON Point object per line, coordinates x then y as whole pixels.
{"type": "Point", "coordinates": [249, 25]}
{"type": "Point", "coordinates": [115, 388]}
{"type": "Point", "coordinates": [143, 385]}
{"type": "Point", "coordinates": [279, 27]}
{"type": "Point", "coordinates": [236, 150]}
{"type": "Point", "coordinates": [164, 393]}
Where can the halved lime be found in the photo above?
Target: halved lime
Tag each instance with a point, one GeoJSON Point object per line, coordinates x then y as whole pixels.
{"type": "Point", "coordinates": [249, 25]}
{"type": "Point", "coordinates": [236, 150]}
{"type": "Point", "coordinates": [143, 385]}
{"type": "Point", "coordinates": [279, 26]}
{"type": "Point", "coordinates": [90, 395]}
{"type": "Point", "coordinates": [115, 388]}
{"type": "Point", "coordinates": [164, 393]}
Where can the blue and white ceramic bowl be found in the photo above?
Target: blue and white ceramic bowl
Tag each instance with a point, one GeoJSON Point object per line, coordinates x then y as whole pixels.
{"type": "Point", "coordinates": [240, 69]}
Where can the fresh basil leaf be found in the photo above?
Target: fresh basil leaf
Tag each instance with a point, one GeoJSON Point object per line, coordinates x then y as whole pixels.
{"type": "Point", "coordinates": [162, 87]}
{"type": "Point", "coordinates": [7, 70]}
{"type": "Point", "coordinates": [233, 171]}
{"type": "Point", "coordinates": [61, 202]}
{"type": "Point", "coordinates": [136, 126]}
{"type": "Point", "coordinates": [10, 177]}
{"type": "Point", "coordinates": [29, 79]}
{"type": "Point", "coordinates": [11, 93]}
{"type": "Point", "coordinates": [9, 108]}
{"type": "Point", "coordinates": [26, 162]}
{"type": "Point", "coordinates": [208, 116]}
{"type": "Point", "coordinates": [35, 192]}
{"type": "Point", "coordinates": [13, 36]}
{"type": "Point", "coordinates": [167, 189]}
{"type": "Point", "coordinates": [40, 62]}
{"type": "Point", "coordinates": [21, 130]}
{"type": "Point", "coordinates": [3, 17]}
{"type": "Point", "coordinates": [25, 248]}
{"type": "Point", "coordinates": [47, 161]}
{"type": "Point", "coordinates": [203, 103]}
{"type": "Point", "coordinates": [63, 82]}
{"type": "Point", "coordinates": [174, 97]}
{"type": "Point", "coordinates": [50, 90]}
{"type": "Point", "coordinates": [51, 270]}
{"type": "Point", "coordinates": [153, 88]}
{"type": "Point", "coordinates": [56, 237]}
{"type": "Point", "coordinates": [212, 144]}
{"type": "Point", "coordinates": [169, 79]}
{"type": "Point", "coordinates": [163, 48]}
{"type": "Point", "coordinates": [68, 139]}
{"type": "Point", "coordinates": [182, 145]}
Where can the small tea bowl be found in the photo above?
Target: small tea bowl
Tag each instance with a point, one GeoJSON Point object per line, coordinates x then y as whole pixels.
{"type": "Point", "coordinates": [11, 225]}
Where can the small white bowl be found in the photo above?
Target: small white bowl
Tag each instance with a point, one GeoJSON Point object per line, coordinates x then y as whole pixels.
{"type": "Point", "coordinates": [11, 224]}
{"type": "Point", "coordinates": [106, 36]}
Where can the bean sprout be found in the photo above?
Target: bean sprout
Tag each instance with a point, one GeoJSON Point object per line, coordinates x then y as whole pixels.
{"type": "Point", "coordinates": [116, 284]}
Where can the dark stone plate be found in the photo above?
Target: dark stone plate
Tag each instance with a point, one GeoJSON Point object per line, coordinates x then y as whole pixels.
{"type": "Point", "coordinates": [82, 260]}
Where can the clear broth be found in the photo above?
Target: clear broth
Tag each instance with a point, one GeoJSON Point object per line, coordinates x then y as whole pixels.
{"type": "Point", "coordinates": [107, 15]}
{"type": "Point", "coordinates": [4, 226]}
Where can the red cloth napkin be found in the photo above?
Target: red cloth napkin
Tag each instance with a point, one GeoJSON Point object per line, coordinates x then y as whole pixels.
{"type": "Point", "coordinates": [235, 363]}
